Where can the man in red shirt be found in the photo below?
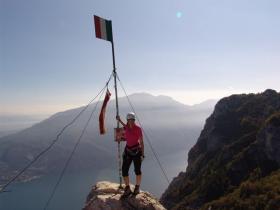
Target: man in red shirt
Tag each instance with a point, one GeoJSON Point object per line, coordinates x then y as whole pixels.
{"type": "Point", "coordinates": [134, 151]}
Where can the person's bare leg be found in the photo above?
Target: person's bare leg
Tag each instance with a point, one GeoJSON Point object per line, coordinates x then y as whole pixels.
{"type": "Point", "coordinates": [126, 180]}
{"type": "Point", "coordinates": [138, 179]}
{"type": "Point", "coordinates": [137, 186]}
{"type": "Point", "coordinates": [127, 190]}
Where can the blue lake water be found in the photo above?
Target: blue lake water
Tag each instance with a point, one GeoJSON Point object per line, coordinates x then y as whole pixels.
{"type": "Point", "coordinates": [74, 188]}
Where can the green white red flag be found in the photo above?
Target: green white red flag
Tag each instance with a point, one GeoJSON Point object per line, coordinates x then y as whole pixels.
{"type": "Point", "coordinates": [103, 28]}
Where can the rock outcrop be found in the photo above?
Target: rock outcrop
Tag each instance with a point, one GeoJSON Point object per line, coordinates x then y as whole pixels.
{"type": "Point", "coordinates": [238, 146]}
{"type": "Point", "coordinates": [107, 196]}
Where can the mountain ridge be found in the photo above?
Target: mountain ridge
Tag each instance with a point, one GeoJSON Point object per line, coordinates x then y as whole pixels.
{"type": "Point", "coordinates": [18, 149]}
{"type": "Point", "coordinates": [32, 120]}
{"type": "Point", "coordinates": [239, 142]}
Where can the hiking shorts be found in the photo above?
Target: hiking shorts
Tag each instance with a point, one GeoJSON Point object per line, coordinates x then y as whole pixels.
{"type": "Point", "coordinates": [128, 157]}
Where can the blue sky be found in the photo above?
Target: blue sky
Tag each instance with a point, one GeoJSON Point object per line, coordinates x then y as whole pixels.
{"type": "Point", "coordinates": [191, 50]}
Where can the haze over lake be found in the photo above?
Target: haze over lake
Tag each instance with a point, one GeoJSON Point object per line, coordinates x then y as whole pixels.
{"type": "Point", "coordinates": [172, 128]}
{"type": "Point", "coordinates": [74, 188]}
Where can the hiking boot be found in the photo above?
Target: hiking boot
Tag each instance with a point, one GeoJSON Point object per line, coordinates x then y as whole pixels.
{"type": "Point", "coordinates": [136, 190]}
{"type": "Point", "coordinates": [127, 192]}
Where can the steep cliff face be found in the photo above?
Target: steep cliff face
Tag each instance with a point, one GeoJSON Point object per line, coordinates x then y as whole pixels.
{"type": "Point", "coordinates": [240, 141]}
{"type": "Point", "coordinates": [107, 196]}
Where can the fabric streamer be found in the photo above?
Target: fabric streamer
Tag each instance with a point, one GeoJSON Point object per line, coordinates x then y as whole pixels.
{"type": "Point", "coordinates": [102, 128]}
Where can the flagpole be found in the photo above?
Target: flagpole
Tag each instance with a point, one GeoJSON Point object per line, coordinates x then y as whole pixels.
{"type": "Point", "coordinates": [117, 110]}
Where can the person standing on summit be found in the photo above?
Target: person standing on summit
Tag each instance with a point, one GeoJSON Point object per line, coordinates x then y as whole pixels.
{"type": "Point", "coordinates": [134, 151]}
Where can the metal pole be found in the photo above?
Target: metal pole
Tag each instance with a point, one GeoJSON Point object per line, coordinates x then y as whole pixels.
{"type": "Point", "coordinates": [117, 110]}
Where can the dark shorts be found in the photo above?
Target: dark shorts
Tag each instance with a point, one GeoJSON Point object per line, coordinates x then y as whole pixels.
{"type": "Point", "coordinates": [129, 156]}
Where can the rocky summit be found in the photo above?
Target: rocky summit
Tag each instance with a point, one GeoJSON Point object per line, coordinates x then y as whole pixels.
{"type": "Point", "coordinates": [235, 163]}
{"type": "Point", "coordinates": [107, 196]}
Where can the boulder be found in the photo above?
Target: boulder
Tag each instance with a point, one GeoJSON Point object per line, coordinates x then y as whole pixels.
{"type": "Point", "coordinates": [107, 196]}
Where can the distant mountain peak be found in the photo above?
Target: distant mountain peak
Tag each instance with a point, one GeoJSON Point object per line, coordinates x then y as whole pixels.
{"type": "Point", "coordinates": [148, 99]}
{"type": "Point", "coordinates": [269, 92]}
{"type": "Point", "coordinates": [149, 96]}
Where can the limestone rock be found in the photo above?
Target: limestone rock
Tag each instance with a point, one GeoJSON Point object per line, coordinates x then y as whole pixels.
{"type": "Point", "coordinates": [107, 196]}
{"type": "Point", "coordinates": [240, 142]}
{"type": "Point", "coordinates": [270, 137]}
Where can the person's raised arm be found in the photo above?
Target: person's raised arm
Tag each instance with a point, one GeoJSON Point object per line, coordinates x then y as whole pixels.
{"type": "Point", "coordinates": [119, 119]}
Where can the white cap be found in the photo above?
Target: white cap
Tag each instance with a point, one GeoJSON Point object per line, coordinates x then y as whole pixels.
{"type": "Point", "coordinates": [130, 116]}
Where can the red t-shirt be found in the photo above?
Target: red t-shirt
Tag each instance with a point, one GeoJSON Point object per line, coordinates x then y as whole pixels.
{"type": "Point", "coordinates": [132, 135]}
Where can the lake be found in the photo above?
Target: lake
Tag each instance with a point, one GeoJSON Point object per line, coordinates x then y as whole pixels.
{"type": "Point", "coordinates": [74, 188]}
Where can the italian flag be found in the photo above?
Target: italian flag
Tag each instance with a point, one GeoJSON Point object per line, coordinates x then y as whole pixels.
{"type": "Point", "coordinates": [103, 28]}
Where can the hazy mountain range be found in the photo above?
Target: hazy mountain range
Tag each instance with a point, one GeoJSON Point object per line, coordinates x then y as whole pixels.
{"type": "Point", "coordinates": [171, 126]}
{"type": "Point", "coordinates": [10, 124]}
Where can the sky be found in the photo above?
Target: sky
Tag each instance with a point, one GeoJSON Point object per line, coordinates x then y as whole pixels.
{"type": "Point", "coordinates": [191, 50]}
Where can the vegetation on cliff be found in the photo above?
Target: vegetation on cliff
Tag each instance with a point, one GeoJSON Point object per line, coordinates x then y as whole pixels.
{"type": "Point", "coordinates": [258, 194]}
{"type": "Point", "coordinates": [238, 147]}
